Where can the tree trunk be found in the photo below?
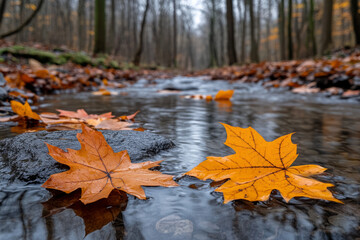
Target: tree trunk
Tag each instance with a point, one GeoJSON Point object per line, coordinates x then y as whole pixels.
{"type": "Point", "coordinates": [254, 54]}
{"type": "Point", "coordinates": [290, 43]}
{"type": "Point", "coordinates": [175, 34]}
{"type": "Point", "coordinates": [137, 57]}
{"type": "Point", "coordinates": [100, 27]}
{"type": "Point", "coordinates": [282, 29]}
{"type": "Point", "coordinates": [243, 34]}
{"type": "Point", "coordinates": [81, 24]}
{"type": "Point", "coordinates": [268, 26]}
{"type": "Point", "coordinates": [355, 20]}
{"type": "Point", "coordinates": [312, 38]}
{"type": "Point", "coordinates": [326, 27]}
{"type": "Point", "coordinates": [212, 46]}
{"type": "Point", "coordinates": [2, 10]}
{"type": "Point", "coordinates": [112, 29]}
{"type": "Point", "coordinates": [230, 32]}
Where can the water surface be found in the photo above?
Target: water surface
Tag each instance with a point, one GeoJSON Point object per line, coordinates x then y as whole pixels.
{"type": "Point", "coordinates": [327, 133]}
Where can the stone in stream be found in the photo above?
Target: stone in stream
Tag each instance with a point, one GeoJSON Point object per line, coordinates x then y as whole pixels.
{"type": "Point", "coordinates": [25, 157]}
{"type": "Point", "coordinates": [3, 94]}
{"type": "Point", "coordinates": [175, 226]}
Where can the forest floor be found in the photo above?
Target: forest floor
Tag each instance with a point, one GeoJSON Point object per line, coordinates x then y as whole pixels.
{"type": "Point", "coordinates": [28, 72]}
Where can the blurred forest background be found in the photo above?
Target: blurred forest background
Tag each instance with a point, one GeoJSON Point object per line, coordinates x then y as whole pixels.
{"type": "Point", "coordinates": [185, 34]}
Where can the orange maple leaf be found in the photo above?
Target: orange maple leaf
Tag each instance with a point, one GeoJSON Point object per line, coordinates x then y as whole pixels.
{"type": "Point", "coordinates": [258, 167]}
{"type": "Point", "coordinates": [130, 117]}
{"type": "Point", "coordinates": [97, 170]}
{"type": "Point", "coordinates": [23, 110]}
{"type": "Point", "coordinates": [224, 95]}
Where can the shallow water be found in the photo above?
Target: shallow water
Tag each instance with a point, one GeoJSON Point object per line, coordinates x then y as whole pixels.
{"type": "Point", "coordinates": [327, 133]}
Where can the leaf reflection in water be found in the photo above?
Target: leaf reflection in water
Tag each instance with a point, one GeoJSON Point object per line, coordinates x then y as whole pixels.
{"type": "Point", "coordinates": [95, 215]}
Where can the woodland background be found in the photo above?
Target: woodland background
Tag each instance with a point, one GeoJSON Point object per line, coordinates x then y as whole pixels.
{"type": "Point", "coordinates": [185, 34]}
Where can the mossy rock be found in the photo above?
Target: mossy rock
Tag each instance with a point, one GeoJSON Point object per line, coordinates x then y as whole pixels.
{"type": "Point", "coordinates": [78, 58]}
{"type": "Point", "coordinates": [28, 52]}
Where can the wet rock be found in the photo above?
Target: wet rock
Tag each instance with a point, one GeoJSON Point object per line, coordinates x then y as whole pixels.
{"type": "Point", "coordinates": [356, 83]}
{"type": "Point", "coordinates": [2, 80]}
{"type": "Point", "coordinates": [25, 157]}
{"type": "Point", "coordinates": [323, 82]}
{"type": "Point", "coordinates": [3, 94]}
{"type": "Point", "coordinates": [175, 226]}
{"type": "Point", "coordinates": [342, 81]}
{"type": "Point", "coordinates": [181, 84]}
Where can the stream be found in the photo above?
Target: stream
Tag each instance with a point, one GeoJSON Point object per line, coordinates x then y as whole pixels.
{"type": "Point", "coordinates": [327, 131]}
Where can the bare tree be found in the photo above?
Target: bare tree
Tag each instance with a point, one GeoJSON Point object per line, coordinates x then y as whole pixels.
{"type": "Point", "coordinates": [290, 43]}
{"type": "Point", "coordinates": [100, 27]}
{"type": "Point", "coordinates": [137, 57]}
{"type": "Point", "coordinates": [254, 52]}
{"type": "Point", "coordinates": [230, 32]}
{"type": "Point", "coordinates": [175, 34]}
{"type": "Point", "coordinates": [281, 10]}
{"type": "Point", "coordinates": [326, 36]}
{"type": "Point", "coordinates": [354, 9]}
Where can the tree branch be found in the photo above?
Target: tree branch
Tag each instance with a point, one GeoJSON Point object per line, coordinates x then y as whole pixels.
{"type": "Point", "coordinates": [24, 24]}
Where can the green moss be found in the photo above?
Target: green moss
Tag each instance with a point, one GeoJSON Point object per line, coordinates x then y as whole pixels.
{"type": "Point", "coordinates": [59, 58]}
{"type": "Point", "coordinates": [114, 64]}
{"type": "Point", "coordinates": [77, 58]}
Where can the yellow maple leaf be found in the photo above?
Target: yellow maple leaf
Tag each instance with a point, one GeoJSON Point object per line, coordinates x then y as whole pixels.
{"type": "Point", "coordinates": [258, 167]}
{"type": "Point", "coordinates": [23, 110]}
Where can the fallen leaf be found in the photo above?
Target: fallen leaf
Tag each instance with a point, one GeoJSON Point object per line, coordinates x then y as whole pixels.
{"type": "Point", "coordinates": [9, 118]}
{"type": "Point", "coordinates": [139, 129]}
{"type": "Point", "coordinates": [82, 114]}
{"type": "Point", "coordinates": [198, 96]}
{"type": "Point", "coordinates": [258, 167]}
{"type": "Point", "coordinates": [224, 95]}
{"type": "Point", "coordinates": [109, 124]}
{"type": "Point", "coordinates": [102, 92]}
{"type": "Point", "coordinates": [26, 78]}
{"type": "Point", "coordinates": [35, 65]}
{"type": "Point", "coordinates": [23, 110]}
{"type": "Point", "coordinates": [130, 117]}
{"type": "Point", "coordinates": [97, 170]}
{"type": "Point", "coordinates": [42, 73]}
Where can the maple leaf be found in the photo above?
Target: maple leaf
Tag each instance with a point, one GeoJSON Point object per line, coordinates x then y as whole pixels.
{"type": "Point", "coordinates": [224, 95]}
{"type": "Point", "coordinates": [82, 114]}
{"type": "Point", "coordinates": [258, 167]}
{"type": "Point", "coordinates": [130, 117]}
{"type": "Point", "coordinates": [97, 170]}
{"type": "Point", "coordinates": [23, 110]}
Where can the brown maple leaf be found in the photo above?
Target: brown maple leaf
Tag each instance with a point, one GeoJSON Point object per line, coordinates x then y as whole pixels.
{"type": "Point", "coordinates": [258, 167]}
{"type": "Point", "coordinates": [97, 170]}
{"type": "Point", "coordinates": [129, 117]}
{"type": "Point", "coordinates": [82, 114]}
